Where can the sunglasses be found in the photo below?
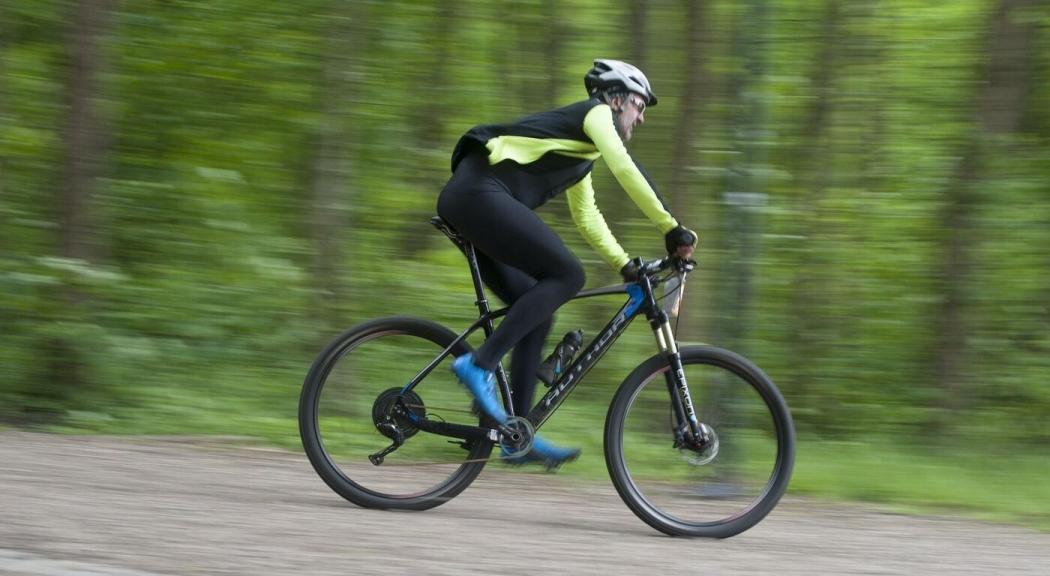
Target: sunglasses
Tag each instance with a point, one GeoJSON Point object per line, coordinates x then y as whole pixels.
{"type": "Point", "coordinates": [638, 103]}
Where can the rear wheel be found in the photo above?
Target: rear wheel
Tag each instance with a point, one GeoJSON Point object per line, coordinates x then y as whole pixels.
{"type": "Point", "coordinates": [352, 408]}
{"type": "Point", "coordinates": [717, 488]}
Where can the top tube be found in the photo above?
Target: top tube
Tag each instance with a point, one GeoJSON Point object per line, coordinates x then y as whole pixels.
{"type": "Point", "coordinates": [649, 268]}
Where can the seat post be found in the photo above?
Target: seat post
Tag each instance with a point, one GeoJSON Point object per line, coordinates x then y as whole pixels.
{"type": "Point", "coordinates": [482, 303]}
{"type": "Point", "coordinates": [475, 270]}
{"type": "Point", "coordinates": [479, 290]}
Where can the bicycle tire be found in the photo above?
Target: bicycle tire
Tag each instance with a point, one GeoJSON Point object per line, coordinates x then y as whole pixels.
{"type": "Point", "coordinates": [688, 500]}
{"type": "Point", "coordinates": [411, 332]}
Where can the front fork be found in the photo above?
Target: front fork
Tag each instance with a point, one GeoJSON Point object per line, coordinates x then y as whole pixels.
{"type": "Point", "coordinates": [688, 432]}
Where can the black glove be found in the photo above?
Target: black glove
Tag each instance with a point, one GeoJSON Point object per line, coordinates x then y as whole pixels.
{"type": "Point", "coordinates": [631, 269]}
{"type": "Point", "coordinates": [679, 236]}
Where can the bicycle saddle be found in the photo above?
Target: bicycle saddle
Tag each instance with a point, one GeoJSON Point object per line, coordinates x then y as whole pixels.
{"type": "Point", "coordinates": [449, 231]}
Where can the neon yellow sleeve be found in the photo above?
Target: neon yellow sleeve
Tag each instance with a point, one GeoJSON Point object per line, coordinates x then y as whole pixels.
{"type": "Point", "coordinates": [591, 223]}
{"type": "Point", "coordinates": [599, 127]}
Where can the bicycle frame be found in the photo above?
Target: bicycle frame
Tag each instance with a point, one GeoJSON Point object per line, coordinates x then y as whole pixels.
{"type": "Point", "coordinates": [641, 301]}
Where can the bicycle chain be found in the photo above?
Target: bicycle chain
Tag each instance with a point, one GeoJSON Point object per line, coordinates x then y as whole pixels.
{"type": "Point", "coordinates": [457, 462]}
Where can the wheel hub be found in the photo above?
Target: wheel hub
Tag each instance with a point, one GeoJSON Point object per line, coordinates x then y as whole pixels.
{"type": "Point", "coordinates": [703, 450]}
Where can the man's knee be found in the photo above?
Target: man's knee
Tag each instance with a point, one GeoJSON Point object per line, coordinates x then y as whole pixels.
{"type": "Point", "coordinates": [574, 278]}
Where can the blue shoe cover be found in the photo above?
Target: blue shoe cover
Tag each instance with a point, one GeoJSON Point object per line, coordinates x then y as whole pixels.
{"type": "Point", "coordinates": [481, 385]}
{"type": "Point", "coordinates": [543, 452]}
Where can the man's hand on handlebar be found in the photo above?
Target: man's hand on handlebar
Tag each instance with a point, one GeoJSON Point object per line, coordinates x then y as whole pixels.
{"type": "Point", "coordinates": [680, 241]}
{"type": "Point", "coordinates": [636, 267]}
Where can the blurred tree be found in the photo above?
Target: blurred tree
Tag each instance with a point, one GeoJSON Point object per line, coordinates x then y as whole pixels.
{"type": "Point", "coordinates": [558, 28]}
{"type": "Point", "coordinates": [333, 188]}
{"type": "Point", "coordinates": [85, 135]}
{"type": "Point", "coordinates": [744, 184]}
{"type": "Point", "coordinates": [5, 88]}
{"type": "Point", "coordinates": [539, 37]}
{"type": "Point", "coordinates": [1003, 84]}
{"type": "Point", "coordinates": [637, 23]}
{"type": "Point", "coordinates": [434, 91]}
{"type": "Point", "coordinates": [812, 268]}
{"type": "Point", "coordinates": [86, 141]}
{"type": "Point", "coordinates": [690, 102]}
{"type": "Point", "coordinates": [684, 182]}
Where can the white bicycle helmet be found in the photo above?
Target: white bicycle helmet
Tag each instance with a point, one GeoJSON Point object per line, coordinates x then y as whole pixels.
{"type": "Point", "coordinates": [614, 74]}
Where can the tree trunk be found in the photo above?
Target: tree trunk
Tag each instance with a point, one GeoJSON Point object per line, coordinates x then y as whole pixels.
{"type": "Point", "coordinates": [84, 134]}
{"type": "Point", "coordinates": [430, 168]}
{"type": "Point", "coordinates": [540, 31]}
{"type": "Point", "coordinates": [637, 20]}
{"type": "Point", "coordinates": [1004, 82]}
{"type": "Point", "coordinates": [557, 27]}
{"type": "Point", "coordinates": [683, 182]}
{"type": "Point", "coordinates": [332, 184]}
{"type": "Point", "coordinates": [744, 183]}
{"type": "Point", "coordinates": [811, 271]}
{"type": "Point", "coordinates": [434, 84]}
{"type": "Point", "coordinates": [86, 140]}
{"type": "Point", "coordinates": [5, 27]}
{"type": "Point", "coordinates": [690, 102]}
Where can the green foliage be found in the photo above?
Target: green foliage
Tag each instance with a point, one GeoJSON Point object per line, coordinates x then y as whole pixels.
{"type": "Point", "coordinates": [206, 299]}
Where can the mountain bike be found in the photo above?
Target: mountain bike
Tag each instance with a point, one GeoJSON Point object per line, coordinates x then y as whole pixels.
{"type": "Point", "coordinates": [698, 440]}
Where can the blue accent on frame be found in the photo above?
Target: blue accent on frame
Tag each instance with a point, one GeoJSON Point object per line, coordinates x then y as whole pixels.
{"type": "Point", "coordinates": [637, 294]}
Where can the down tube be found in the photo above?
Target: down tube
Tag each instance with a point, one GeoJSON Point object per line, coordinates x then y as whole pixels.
{"type": "Point", "coordinates": [583, 364]}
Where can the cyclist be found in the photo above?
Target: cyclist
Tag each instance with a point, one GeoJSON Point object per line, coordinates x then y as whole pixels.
{"type": "Point", "coordinates": [501, 173]}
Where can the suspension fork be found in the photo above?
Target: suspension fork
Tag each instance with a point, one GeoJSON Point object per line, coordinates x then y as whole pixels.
{"type": "Point", "coordinates": [687, 427]}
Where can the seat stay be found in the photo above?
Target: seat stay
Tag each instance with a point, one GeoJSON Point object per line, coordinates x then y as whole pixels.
{"type": "Point", "coordinates": [479, 323]}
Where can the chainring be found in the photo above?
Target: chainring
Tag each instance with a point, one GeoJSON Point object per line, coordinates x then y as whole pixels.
{"type": "Point", "coordinates": [516, 437]}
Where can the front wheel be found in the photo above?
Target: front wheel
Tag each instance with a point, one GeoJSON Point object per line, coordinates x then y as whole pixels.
{"type": "Point", "coordinates": [716, 490]}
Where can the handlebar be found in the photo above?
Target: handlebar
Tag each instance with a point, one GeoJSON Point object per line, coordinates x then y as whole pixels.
{"type": "Point", "coordinates": [653, 267]}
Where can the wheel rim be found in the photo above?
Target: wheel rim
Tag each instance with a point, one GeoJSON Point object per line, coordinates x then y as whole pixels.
{"type": "Point", "coordinates": [685, 489]}
{"type": "Point", "coordinates": [426, 464]}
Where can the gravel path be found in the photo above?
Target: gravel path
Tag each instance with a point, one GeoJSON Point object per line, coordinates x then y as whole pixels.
{"type": "Point", "coordinates": [131, 507]}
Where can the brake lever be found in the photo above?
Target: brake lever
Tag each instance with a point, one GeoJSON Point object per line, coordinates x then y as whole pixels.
{"type": "Point", "coordinates": [684, 265]}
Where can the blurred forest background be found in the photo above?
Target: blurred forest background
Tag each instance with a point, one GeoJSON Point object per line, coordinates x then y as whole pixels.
{"type": "Point", "coordinates": [196, 196]}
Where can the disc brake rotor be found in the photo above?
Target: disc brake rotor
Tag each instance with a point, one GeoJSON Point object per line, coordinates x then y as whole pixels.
{"type": "Point", "coordinates": [706, 454]}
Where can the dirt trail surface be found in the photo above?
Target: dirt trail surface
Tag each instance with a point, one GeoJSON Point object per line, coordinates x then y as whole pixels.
{"type": "Point", "coordinates": [133, 507]}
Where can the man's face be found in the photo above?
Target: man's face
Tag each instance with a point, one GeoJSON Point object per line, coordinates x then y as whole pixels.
{"type": "Point", "coordinates": [632, 113]}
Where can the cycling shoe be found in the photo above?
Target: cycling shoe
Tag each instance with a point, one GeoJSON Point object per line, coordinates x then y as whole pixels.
{"type": "Point", "coordinates": [482, 384]}
{"type": "Point", "coordinates": [543, 452]}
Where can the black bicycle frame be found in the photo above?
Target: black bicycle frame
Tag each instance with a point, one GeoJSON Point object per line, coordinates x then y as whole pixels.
{"type": "Point", "coordinates": [641, 301]}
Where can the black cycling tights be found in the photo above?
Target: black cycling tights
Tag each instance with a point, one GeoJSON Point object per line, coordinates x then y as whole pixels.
{"type": "Point", "coordinates": [522, 261]}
